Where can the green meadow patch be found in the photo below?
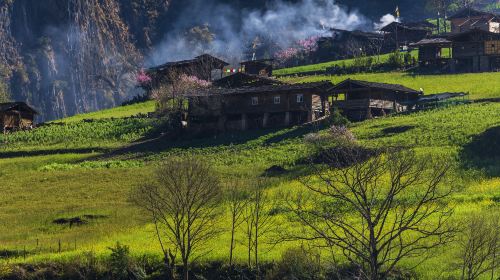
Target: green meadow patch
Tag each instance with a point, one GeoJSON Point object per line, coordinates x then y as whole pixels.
{"type": "Point", "coordinates": [76, 170]}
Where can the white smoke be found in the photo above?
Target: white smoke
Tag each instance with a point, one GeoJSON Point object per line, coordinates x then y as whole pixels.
{"type": "Point", "coordinates": [384, 21]}
{"type": "Point", "coordinates": [283, 23]}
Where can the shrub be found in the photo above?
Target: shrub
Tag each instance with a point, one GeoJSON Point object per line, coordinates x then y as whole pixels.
{"type": "Point", "coordinates": [341, 136]}
{"type": "Point", "coordinates": [336, 118]}
{"type": "Point", "coordinates": [297, 263]}
{"type": "Point", "coordinates": [121, 264]}
{"type": "Point", "coordinates": [396, 59]}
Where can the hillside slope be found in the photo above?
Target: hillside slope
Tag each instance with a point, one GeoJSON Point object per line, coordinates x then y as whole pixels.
{"type": "Point", "coordinates": [63, 171]}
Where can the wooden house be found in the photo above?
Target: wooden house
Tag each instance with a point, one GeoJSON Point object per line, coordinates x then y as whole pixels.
{"type": "Point", "coordinates": [16, 115]}
{"type": "Point", "coordinates": [347, 44]}
{"type": "Point", "coordinates": [400, 34]}
{"type": "Point", "coordinates": [471, 19]}
{"type": "Point", "coordinates": [241, 79]}
{"type": "Point", "coordinates": [360, 100]}
{"type": "Point", "coordinates": [257, 107]}
{"type": "Point", "coordinates": [204, 67]}
{"type": "Point", "coordinates": [261, 67]}
{"type": "Point", "coordinates": [433, 51]}
{"type": "Point", "coordinates": [476, 50]}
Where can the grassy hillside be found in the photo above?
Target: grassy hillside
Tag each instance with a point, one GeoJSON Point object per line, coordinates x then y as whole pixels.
{"type": "Point", "coordinates": [118, 112]}
{"type": "Point", "coordinates": [323, 66]}
{"type": "Point", "coordinates": [479, 85]}
{"type": "Point", "coordinates": [79, 168]}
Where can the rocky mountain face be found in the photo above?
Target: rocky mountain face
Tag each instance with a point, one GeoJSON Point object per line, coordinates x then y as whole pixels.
{"type": "Point", "coordinates": [72, 56]}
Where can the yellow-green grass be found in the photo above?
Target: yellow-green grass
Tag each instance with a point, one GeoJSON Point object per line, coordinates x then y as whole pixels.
{"type": "Point", "coordinates": [323, 66]}
{"type": "Point", "coordinates": [117, 112]}
{"type": "Point", "coordinates": [33, 196]}
{"type": "Point", "coordinates": [479, 85]}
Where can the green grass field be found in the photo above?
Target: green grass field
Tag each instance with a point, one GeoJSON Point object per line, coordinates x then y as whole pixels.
{"type": "Point", "coordinates": [323, 66]}
{"type": "Point", "coordinates": [58, 171]}
{"type": "Point", "coordinates": [479, 85]}
{"type": "Point", "coordinates": [118, 112]}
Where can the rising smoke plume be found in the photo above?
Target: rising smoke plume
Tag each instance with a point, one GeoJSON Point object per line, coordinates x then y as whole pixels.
{"type": "Point", "coordinates": [234, 30]}
{"type": "Point", "coordinates": [384, 21]}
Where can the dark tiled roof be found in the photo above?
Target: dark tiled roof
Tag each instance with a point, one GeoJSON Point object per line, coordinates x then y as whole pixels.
{"type": "Point", "coordinates": [10, 105]}
{"type": "Point", "coordinates": [432, 41]}
{"type": "Point", "coordinates": [391, 27]}
{"type": "Point", "coordinates": [242, 78]}
{"type": "Point", "coordinates": [324, 86]}
{"type": "Point", "coordinates": [258, 61]}
{"type": "Point", "coordinates": [390, 87]}
{"type": "Point", "coordinates": [469, 12]}
{"type": "Point", "coordinates": [201, 58]}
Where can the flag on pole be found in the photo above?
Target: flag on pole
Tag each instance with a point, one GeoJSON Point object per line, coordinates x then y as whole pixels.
{"type": "Point", "coordinates": [397, 12]}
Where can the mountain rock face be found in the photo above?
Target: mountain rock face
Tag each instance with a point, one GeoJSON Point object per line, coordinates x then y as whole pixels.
{"type": "Point", "coordinates": [72, 56]}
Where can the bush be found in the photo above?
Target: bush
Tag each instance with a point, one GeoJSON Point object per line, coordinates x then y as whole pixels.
{"type": "Point", "coordinates": [396, 59]}
{"type": "Point", "coordinates": [336, 118]}
{"type": "Point", "coordinates": [341, 136]}
{"type": "Point", "coordinates": [121, 264]}
{"type": "Point", "coordinates": [297, 263]}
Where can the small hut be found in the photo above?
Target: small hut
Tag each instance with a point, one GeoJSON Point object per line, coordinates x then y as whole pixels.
{"type": "Point", "coordinates": [16, 115]}
{"type": "Point", "coordinates": [403, 35]}
{"type": "Point", "coordinates": [433, 51]}
{"type": "Point", "coordinates": [261, 67]}
{"type": "Point", "coordinates": [360, 100]}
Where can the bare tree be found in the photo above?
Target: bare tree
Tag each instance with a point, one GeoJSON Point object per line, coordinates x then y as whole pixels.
{"type": "Point", "coordinates": [183, 205]}
{"type": "Point", "coordinates": [480, 246]}
{"type": "Point", "coordinates": [237, 199]}
{"type": "Point", "coordinates": [258, 220]}
{"type": "Point", "coordinates": [376, 210]}
{"type": "Point", "coordinates": [172, 94]}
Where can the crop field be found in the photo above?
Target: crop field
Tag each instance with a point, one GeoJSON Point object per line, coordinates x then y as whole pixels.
{"type": "Point", "coordinates": [78, 169]}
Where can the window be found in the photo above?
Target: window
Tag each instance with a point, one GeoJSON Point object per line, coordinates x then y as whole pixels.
{"type": "Point", "coordinates": [277, 99]}
{"type": "Point", "coordinates": [300, 98]}
{"type": "Point", "coordinates": [255, 101]}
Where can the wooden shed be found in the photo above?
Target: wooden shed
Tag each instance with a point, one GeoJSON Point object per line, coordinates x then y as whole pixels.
{"type": "Point", "coordinates": [261, 67]}
{"type": "Point", "coordinates": [16, 115]}
{"type": "Point", "coordinates": [258, 107]}
{"type": "Point", "coordinates": [360, 100]}
{"type": "Point", "coordinates": [431, 51]}
{"type": "Point", "coordinates": [403, 35]}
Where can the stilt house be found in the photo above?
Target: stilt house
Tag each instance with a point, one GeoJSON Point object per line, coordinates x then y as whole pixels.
{"type": "Point", "coordinates": [360, 100]}
{"type": "Point", "coordinates": [258, 107]}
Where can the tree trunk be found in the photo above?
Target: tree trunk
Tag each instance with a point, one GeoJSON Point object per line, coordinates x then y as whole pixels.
{"type": "Point", "coordinates": [232, 244]}
{"type": "Point", "coordinates": [185, 269]}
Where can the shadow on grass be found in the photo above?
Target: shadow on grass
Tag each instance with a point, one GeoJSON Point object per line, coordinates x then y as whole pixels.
{"type": "Point", "coordinates": [483, 152]}
{"type": "Point", "coordinates": [16, 154]}
{"type": "Point", "coordinates": [164, 143]}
